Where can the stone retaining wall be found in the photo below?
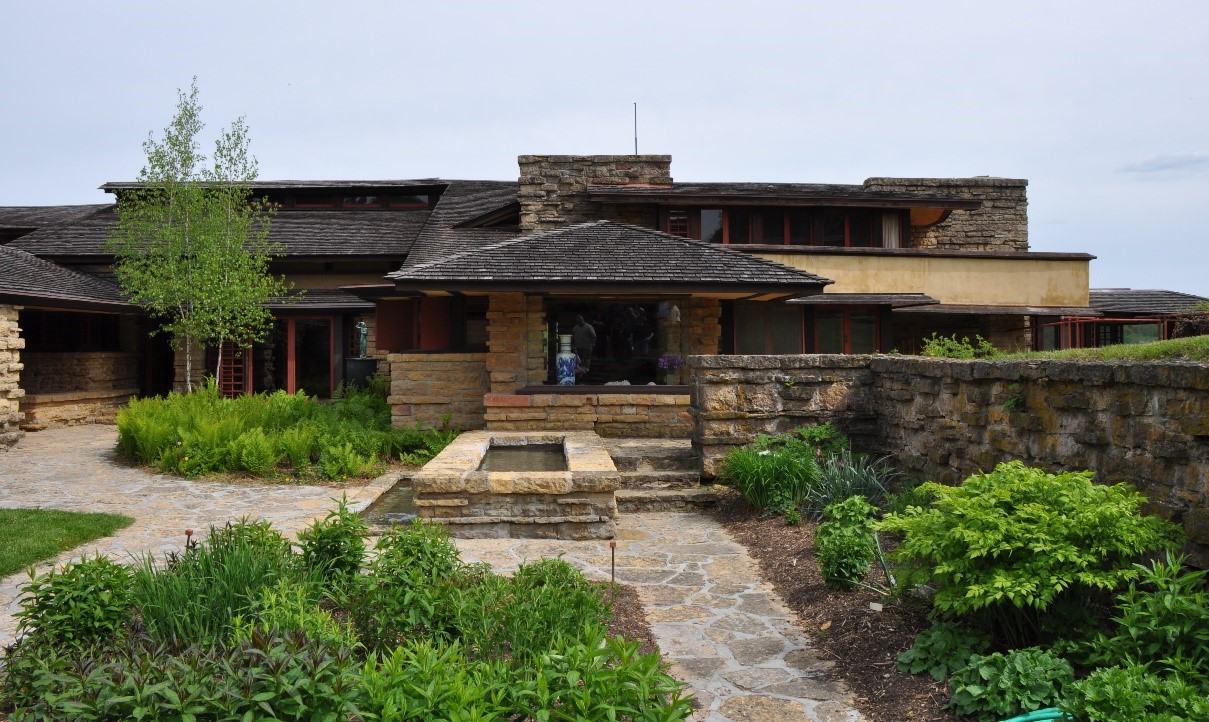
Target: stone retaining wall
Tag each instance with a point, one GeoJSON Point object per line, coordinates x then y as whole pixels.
{"type": "Point", "coordinates": [57, 372]}
{"type": "Point", "coordinates": [638, 415]}
{"type": "Point", "coordinates": [1142, 423]}
{"type": "Point", "coordinates": [11, 344]}
{"type": "Point", "coordinates": [424, 387]}
{"type": "Point", "coordinates": [71, 408]}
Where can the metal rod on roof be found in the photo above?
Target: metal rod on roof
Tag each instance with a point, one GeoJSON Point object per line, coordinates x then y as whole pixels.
{"type": "Point", "coordinates": [635, 128]}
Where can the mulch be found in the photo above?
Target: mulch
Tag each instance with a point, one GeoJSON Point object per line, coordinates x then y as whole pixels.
{"type": "Point", "coordinates": [863, 643]}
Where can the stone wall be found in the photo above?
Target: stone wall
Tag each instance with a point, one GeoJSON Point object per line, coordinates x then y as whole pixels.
{"type": "Point", "coordinates": [552, 191]}
{"type": "Point", "coordinates": [11, 392]}
{"type": "Point", "coordinates": [1000, 225]}
{"type": "Point", "coordinates": [80, 387]}
{"type": "Point", "coordinates": [1142, 423]}
{"type": "Point", "coordinates": [516, 341]}
{"type": "Point", "coordinates": [424, 387]}
{"type": "Point", "coordinates": [639, 415]}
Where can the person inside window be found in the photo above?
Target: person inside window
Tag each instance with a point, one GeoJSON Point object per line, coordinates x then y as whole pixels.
{"type": "Point", "coordinates": [583, 340]}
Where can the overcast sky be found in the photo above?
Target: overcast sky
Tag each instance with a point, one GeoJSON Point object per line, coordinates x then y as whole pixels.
{"type": "Point", "coordinates": [1103, 106]}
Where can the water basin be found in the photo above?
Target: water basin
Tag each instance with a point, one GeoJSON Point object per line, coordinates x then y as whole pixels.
{"type": "Point", "coordinates": [396, 505]}
{"type": "Point", "coordinates": [524, 457]}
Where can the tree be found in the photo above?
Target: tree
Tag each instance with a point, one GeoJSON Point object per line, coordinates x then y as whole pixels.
{"type": "Point", "coordinates": [191, 244]}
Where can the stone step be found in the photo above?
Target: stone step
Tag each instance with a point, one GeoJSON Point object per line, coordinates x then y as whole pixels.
{"type": "Point", "coordinates": [653, 455]}
{"type": "Point", "coordinates": [660, 479]}
{"type": "Point", "coordinates": [632, 501]}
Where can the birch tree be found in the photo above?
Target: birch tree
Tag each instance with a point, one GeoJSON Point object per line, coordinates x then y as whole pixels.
{"type": "Point", "coordinates": [191, 243]}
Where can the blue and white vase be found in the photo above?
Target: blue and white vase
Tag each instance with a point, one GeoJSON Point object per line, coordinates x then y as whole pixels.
{"type": "Point", "coordinates": [566, 361]}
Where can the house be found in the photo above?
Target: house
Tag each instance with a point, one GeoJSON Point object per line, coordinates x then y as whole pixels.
{"type": "Point", "coordinates": [466, 286]}
{"type": "Point", "coordinates": [1123, 315]}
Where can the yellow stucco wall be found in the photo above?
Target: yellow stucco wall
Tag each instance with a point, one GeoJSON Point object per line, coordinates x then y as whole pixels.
{"type": "Point", "coordinates": [980, 280]}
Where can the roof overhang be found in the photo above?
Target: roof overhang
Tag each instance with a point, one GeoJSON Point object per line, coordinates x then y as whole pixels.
{"type": "Point", "coordinates": [664, 196]}
{"type": "Point", "coordinates": [893, 300]}
{"type": "Point", "coordinates": [947, 308]}
{"type": "Point", "coordinates": [754, 291]}
{"type": "Point", "coordinates": [52, 302]}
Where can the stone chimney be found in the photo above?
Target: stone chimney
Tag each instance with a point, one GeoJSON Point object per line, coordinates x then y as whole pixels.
{"type": "Point", "coordinates": [1000, 225]}
{"type": "Point", "coordinates": [553, 188]}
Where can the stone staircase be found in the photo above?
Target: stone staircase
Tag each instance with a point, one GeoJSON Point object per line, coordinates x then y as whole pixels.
{"type": "Point", "coordinates": [659, 475]}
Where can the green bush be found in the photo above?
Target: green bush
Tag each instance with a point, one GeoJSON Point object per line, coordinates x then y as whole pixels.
{"type": "Point", "coordinates": [1132, 693]}
{"type": "Point", "coordinates": [942, 649]}
{"type": "Point", "coordinates": [288, 607]}
{"type": "Point", "coordinates": [842, 475]}
{"type": "Point", "coordinates": [335, 545]}
{"type": "Point", "coordinates": [342, 461]}
{"type": "Point", "coordinates": [949, 347]}
{"type": "Point", "coordinates": [1163, 623]}
{"type": "Point", "coordinates": [773, 476]}
{"type": "Point", "coordinates": [998, 686]}
{"type": "Point", "coordinates": [256, 453]}
{"type": "Point", "coordinates": [84, 601]}
{"type": "Point", "coordinates": [300, 445]}
{"type": "Point", "coordinates": [844, 543]}
{"type": "Point", "coordinates": [824, 437]}
{"type": "Point", "coordinates": [1013, 541]}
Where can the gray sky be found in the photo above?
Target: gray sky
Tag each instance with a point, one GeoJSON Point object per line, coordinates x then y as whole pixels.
{"type": "Point", "coordinates": [1101, 105]}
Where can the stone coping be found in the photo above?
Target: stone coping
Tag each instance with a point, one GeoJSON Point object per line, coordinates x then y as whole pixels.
{"type": "Point", "coordinates": [52, 397]}
{"type": "Point", "coordinates": [456, 469]}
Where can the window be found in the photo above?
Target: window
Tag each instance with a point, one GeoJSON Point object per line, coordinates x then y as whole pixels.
{"type": "Point", "coordinates": [845, 331]}
{"type": "Point", "coordinates": [768, 328]}
{"type": "Point", "coordinates": [829, 227]}
{"type": "Point", "coordinates": [68, 332]}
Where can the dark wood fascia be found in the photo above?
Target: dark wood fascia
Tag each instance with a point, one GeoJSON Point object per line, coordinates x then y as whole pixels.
{"type": "Point", "coordinates": [708, 200]}
{"type": "Point", "coordinates": [600, 288]}
{"type": "Point", "coordinates": [908, 252]}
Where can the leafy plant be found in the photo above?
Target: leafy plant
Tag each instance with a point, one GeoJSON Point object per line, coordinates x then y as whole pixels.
{"type": "Point", "coordinates": [844, 543]}
{"type": "Point", "coordinates": [1135, 694]}
{"type": "Point", "coordinates": [290, 606]}
{"type": "Point", "coordinates": [299, 444]}
{"type": "Point", "coordinates": [950, 347]}
{"type": "Point", "coordinates": [774, 479]}
{"type": "Point", "coordinates": [82, 602]}
{"type": "Point", "coordinates": [1163, 623]}
{"type": "Point", "coordinates": [335, 545]}
{"type": "Point", "coordinates": [1015, 540]}
{"type": "Point", "coordinates": [824, 437]}
{"type": "Point", "coordinates": [996, 686]}
{"type": "Point", "coordinates": [342, 461]}
{"type": "Point", "coordinates": [256, 453]}
{"type": "Point", "coordinates": [942, 649]}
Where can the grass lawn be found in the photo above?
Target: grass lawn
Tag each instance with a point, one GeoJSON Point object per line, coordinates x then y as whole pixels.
{"type": "Point", "coordinates": [28, 536]}
{"type": "Point", "coordinates": [1195, 348]}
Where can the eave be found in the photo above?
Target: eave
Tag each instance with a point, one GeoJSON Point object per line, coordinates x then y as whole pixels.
{"type": "Point", "coordinates": [666, 197]}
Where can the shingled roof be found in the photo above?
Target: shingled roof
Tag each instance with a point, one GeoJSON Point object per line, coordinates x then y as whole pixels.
{"type": "Point", "coordinates": [31, 281]}
{"type": "Point", "coordinates": [463, 201]}
{"type": "Point", "coordinates": [320, 233]}
{"type": "Point", "coordinates": [604, 256]}
{"type": "Point", "coordinates": [1129, 301]}
{"type": "Point", "coordinates": [31, 217]}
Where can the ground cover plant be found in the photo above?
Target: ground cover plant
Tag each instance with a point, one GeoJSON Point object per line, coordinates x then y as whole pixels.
{"type": "Point", "coordinates": [244, 625]}
{"type": "Point", "coordinates": [275, 435]}
{"type": "Point", "coordinates": [952, 347]}
{"type": "Point", "coordinates": [1194, 348]}
{"type": "Point", "coordinates": [28, 536]}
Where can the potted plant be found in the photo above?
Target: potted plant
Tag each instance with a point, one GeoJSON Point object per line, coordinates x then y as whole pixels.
{"type": "Point", "coordinates": [670, 364]}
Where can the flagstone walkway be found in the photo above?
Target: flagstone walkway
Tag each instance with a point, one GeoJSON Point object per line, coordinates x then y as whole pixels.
{"type": "Point", "coordinates": [725, 632]}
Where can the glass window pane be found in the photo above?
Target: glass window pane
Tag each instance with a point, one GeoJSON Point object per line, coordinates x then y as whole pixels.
{"type": "Point", "coordinates": [863, 332]}
{"type": "Point", "coordinates": [711, 226]}
{"type": "Point", "coordinates": [738, 223]}
{"type": "Point", "coordinates": [785, 329]}
{"type": "Point", "coordinates": [829, 326]}
{"type": "Point", "coordinates": [749, 329]}
{"type": "Point", "coordinates": [313, 357]}
{"type": "Point", "coordinates": [799, 227]}
{"type": "Point", "coordinates": [831, 228]}
{"type": "Point", "coordinates": [772, 227]}
{"type": "Point", "coordinates": [860, 229]}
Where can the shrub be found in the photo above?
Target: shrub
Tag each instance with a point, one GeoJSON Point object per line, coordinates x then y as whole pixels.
{"type": "Point", "coordinates": [256, 453]}
{"type": "Point", "coordinates": [844, 543]}
{"type": "Point", "coordinates": [342, 461]}
{"type": "Point", "coordinates": [843, 475]}
{"type": "Point", "coordinates": [193, 599]}
{"type": "Point", "coordinates": [1163, 623]}
{"type": "Point", "coordinates": [772, 477]}
{"type": "Point", "coordinates": [824, 437]}
{"type": "Point", "coordinates": [300, 444]}
{"type": "Point", "coordinates": [289, 607]}
{"type": "Point", "coordinates": [83, 602]}
{"type": "Point", "coordinates": [949, 347]}
{"type": "Point", "coordinates": [335, 545]}
{"type": "Point", "coordinates": [1132, 693]}
{"type": "Point", "coordinates": [1013, 541]}
{"type": "Point", "coordinates": [997, 686]}
{"type": "Point", "coordinates": [942, 649]}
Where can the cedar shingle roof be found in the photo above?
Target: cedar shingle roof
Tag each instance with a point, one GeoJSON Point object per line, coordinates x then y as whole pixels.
{"type": "Point", "coordinates": [40, 216]}
{"type": "Point", "coordinates": [606, 254]}
{"type": "Point", "coordinates": [325, 299]}
{"type": "Point", "coordinates": [463, 201]}
{"type": "Point", "coordinates": [29, 280]}
{"type": "Point", "coordinates": [1128, 301]}
{"type": "Point", "coordinates": [302, 233]}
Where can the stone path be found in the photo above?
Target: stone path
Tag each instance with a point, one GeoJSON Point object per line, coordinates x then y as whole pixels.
{"type": "Point", "coordinates": [74, 469]}
{"type": "Point", "coordinates": [725, 632]}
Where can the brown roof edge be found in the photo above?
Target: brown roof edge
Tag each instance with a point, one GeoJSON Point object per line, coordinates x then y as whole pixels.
{"type": "Point", "coordinates": [928, 252]}
{"type": "Point", "coordinates": [51, 301]}
{"type": "Point", "coordinates": [582, 287]}
{"type": "Point", "coordinates": [1006, 310]}
{"type": "Point", "coordinates": [668, 196]}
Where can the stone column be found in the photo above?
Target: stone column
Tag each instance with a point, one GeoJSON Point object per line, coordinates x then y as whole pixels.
{"type": "Point", "coordinates": [553, 188]}
{"type": "Point", "coordinates": [11, 392]}
{"type": "Point", "coordinates": [1001, 224]}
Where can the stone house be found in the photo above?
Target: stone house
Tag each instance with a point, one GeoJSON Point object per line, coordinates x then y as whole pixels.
{"type": "Point", "coordinates": [465, 287]}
